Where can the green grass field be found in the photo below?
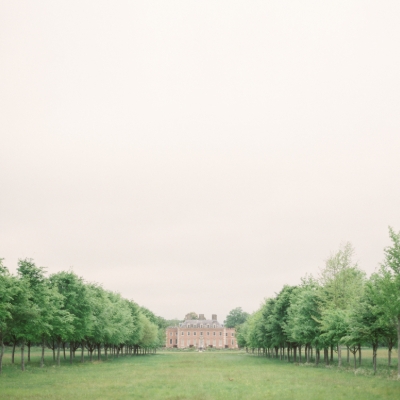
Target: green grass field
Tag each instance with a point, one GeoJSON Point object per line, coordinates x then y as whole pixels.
{"type": "Point", "coordinates": [193, 375]}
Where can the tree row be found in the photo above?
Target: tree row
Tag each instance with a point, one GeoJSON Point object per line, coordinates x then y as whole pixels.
{"type": "Point", "coordinates": [340, 308]}
{"type": "Point", "coordinates": [63, 310]}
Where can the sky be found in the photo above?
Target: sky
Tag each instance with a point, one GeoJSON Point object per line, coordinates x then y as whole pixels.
{"type": "Point", "coordinates": [198, 155]}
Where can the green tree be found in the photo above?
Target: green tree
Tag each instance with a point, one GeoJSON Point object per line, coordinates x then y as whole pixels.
{"type": "Point", "coordinates": [191, 315]}
{"type": "Point", "coordinates": [74, 323]}
{"type": "Point", "coordinates": [24, 314]}
{"type": "Point", "coordinates": [236, 317]}
{"type": "Point", "coordinates": [341, 280]}
{"type": "Point", "coordinates": [387, 287]}
{"type": "Point", "coordinates": [303, 326]}
{"type": "Point", "coordinates": [7, 290]}
{"type": "Point", "coordinates": [47, 301]}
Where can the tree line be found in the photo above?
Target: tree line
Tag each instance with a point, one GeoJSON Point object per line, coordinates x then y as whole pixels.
{"type": "Point", "coordinates": [63, 311]}
{"type": "Point", "coordinates": [339, 308]}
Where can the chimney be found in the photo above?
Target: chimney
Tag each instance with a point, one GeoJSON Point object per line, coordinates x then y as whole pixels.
{"type": "Point", "coordinates": [201, 316]}
{"type": "Point", "coordinates": [214, 317]}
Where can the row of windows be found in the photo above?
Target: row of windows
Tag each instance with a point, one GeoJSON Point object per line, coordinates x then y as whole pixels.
{"type": "Point", "coordinates": [195, 342]}
{"type": "Point", "coordinates": [201, 334]}
{"type": "Point", "coordinates": [198, 326]}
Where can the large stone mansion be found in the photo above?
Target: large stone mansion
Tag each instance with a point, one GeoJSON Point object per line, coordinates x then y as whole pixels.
{"type": "Point", "coordinates": [201, 333]}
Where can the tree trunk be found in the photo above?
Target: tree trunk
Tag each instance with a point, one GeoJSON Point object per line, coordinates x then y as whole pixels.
{"type": "Point", "coordinates": [58, 352]}
{"type": "Point", "coordinates": [42, 357]}
{"type": "Point", "coordinates": [398, 347]}
{"type": "Point", "coordinates": [374, 350]}
{"type": "Point", "coordinates": [339, 354]}
{"type": "Point", "coordinates": [1, 352]}
{"type": "Point", "coordinates": [331, 360]}
{"type": "Point", "coordinates": [82, 352]}
{"type": "Point", "coordinates": [98, 352]}
{"type": "Point", "coordinates": [23, 355]}
{"type": "Point", "coordinates": [348, 355]}
{"type": "Point", "coordinates": [359, 355]}
{"type": "Point", "coordinates": [389, 356]}
{"type": "Point", "coordinates": [13, 353]}
{"type": "Point", "coordinates": [326, 355]}
{"type": "Point", "coordinates": [63, 345]}
{"type": "Point", "coordinates": [71, 352]}
{"type": "Point", "coordinates": [316, 356]}
{"type": "Point", "coordinates": [355, 359]}
{"type": "Point", "coordinates": [29, 350]}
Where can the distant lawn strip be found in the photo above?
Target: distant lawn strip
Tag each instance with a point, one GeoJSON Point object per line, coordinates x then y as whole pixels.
{"type": "Point", "coordinates": [190, 375]}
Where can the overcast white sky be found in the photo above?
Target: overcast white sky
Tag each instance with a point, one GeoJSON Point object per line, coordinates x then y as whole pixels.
{"type": "Point", "coordinates": [198, 155]}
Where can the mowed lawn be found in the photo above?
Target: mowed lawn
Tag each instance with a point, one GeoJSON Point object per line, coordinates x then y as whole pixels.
{"type": "Point", "coordinates": [190, 375]}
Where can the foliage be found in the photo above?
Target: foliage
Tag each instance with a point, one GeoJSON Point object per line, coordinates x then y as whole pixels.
{"type": "Point", "coordinates": [65, 310]}
{"type": "Point", "coordinates": [236, 317]}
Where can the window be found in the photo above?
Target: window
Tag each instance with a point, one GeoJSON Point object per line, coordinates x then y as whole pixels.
{"type": "Point", "coordinates": [194, 333]}
{"type": "Point", "coordinates": [188, 333]}
{"type": "Point", "coordinates": [220, 334]}
{"type": "Point", "coordinates": [170, 334]}
{"type": "Point", "coordinates": [233, 342]}
{"type": "Point", "coordinates": [201, 333]}
{"type": "Point", "coordinates": [208, 333]}
{"type": "Point", "coordinates": [170, 341]}
{"type": "Point", "coordinates": [214, 326]}
{"type": "Point", "coordinates": [226, 334]}
{"type": "Point", "coordinates": [182, 333]}
{"type": "Point", "coordinates": [201, 325]}
{"type": "Point", "coordinates": [214, 333]}
{"type": "Point", "coordinates": [208, 325]}
{"type": "Point", "coordinates": [233, 334]}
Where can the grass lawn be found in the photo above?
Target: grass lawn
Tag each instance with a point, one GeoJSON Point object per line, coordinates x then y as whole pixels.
{"type": "Point", "coordinates": [191, 375]}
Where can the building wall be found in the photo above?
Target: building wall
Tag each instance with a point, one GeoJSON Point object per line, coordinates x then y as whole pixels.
{"type": "Point", "coordinates": [183, 337]}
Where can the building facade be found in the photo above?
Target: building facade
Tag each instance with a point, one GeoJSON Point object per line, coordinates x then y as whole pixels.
{"type": "Point", "coordinates": [201, 333]}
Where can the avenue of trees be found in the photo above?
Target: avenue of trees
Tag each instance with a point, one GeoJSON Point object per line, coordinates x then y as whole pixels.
{"type": "Point", "coordinates": [339, 310]}
{"type": "Point", "coordinates": [63, 312]}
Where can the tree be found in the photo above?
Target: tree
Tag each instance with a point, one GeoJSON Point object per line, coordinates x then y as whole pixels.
{"type": "Point", "coordinates": [341, 287]}
{"type": "Point", "coordinates": [303, 324]}
{"type": "Point", "coordinates": [191, 315]}
{"type": "Point", "coordinates": [341, 280]}
{"type": "Point", "coordinates": [7, 289]}
{"type": "Point", "coordinates": [387, 288]}
{"type": "Point", "coordinates": [74, 323]}
{"type": "Point", "coordinates": [236, 317]}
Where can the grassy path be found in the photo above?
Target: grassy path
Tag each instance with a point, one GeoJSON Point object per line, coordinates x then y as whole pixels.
{"type": "Point", "coordinates": [211, 375]}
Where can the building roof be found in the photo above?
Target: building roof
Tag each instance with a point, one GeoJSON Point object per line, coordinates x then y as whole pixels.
{"type": "Point", "coordinates": [200, 322]}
